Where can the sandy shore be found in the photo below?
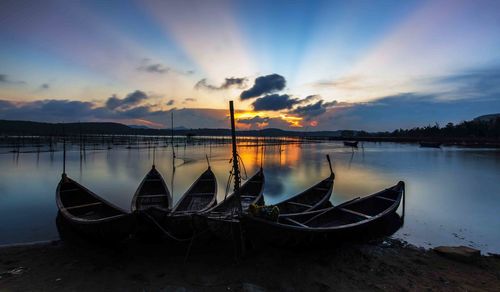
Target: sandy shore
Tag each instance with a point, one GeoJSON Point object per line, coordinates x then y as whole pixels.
{"type": "Point", "coordinates": [380, 265]}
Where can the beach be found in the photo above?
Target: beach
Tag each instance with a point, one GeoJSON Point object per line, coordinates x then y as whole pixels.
{"type": "Point", "coordinates": [380, 265]}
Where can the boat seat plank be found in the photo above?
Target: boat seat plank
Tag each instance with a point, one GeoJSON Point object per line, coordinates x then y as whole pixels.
{"type": "Point", "coordinates": [300, 204]}
{"type": "Point", "coordinates": [384, 198]}
{"type": "Point", "coordinates": [152, 196]}
{"type": "Point", "coordinates": [70, 190]}
{"type": "Point", "coordinates": [201, 194]}
{"type": "Point", "coordinates": [356, 213]}
{"type": "Point", "coordinates": [247, 197]}
{"type": "Point", "coordinates": [83, 206]}
{"type": "Point", "coordinates": [321, 189]}
{"type": "Point", "coordinates": [295, 222]}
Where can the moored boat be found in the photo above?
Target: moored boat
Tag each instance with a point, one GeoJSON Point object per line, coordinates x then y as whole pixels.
{"type": "Point", "coordinates": [152, 193]}
{"type": "Point", "coordinates": [89, 214]}
{"type": "Point", "coordinates": [345, 221]}
{"type": "Point", "coordinates": [351, 143]}
{"type": "Point", "coordinates": [430, 144]}
{"type": "Point", "coordinates": [200, 197]}
{"type": "Point", "coordinates": [313, 198]}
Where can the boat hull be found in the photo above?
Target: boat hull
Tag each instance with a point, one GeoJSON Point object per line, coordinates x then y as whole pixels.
{"type": "Point", "coordinates": [112, 230]}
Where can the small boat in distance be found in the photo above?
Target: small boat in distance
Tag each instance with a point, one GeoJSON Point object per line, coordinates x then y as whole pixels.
{"type": "Point", "coordinates": [346, 221]}
{"type": "Point", "coordinates": [313, 198]}
{"type": "Point", "coordinates": [430, 144]}
{"type": "Point", "coordinates": [152, 193]}
{"type": "Point", "coordinates": [90, 214]}
{"type": "Point", "coordinates": [351, 143]}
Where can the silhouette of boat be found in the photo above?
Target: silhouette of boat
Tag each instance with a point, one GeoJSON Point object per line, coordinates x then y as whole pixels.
{"type": "Point", "coordinates": [152, 193]}
{"type": "Point", "coordinates": [351, 143]}
{"type": "Point", "coordinates": [430, 144]}
{"type": "Point", "coordinates": [89, 214]}
{"type": "Point", "coordinates": [313, 198]}
{"type": "Point", "coordinates": [349, 220]}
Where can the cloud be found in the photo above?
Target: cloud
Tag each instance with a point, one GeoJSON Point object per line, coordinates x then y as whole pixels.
{"type": "Point", "coordinates": [189, 99]}
{"type": "Point", "coordinates": [254, 120]}
{"type": "Point", "coordinates": [274, 102]}
{"type": "Point", "coordinates": [264, 85]}
{"type": "Point", "coordinates": [231, 82]}
{"type": "Point", "coordinates": [4, 79]}
{"type": "Point", "coordinates": [170, 102]}
{"type": "Point", "coordinates": [45, 86]}
{"type": "Point", "coordinates": [130, 100]}
{"type": "Point", "coordinates": [354, 82]}
{"type": "Point", "coordinates": [473, 83]}
{"type": "Point", "coordinates": [158, 68]}
{"type": "Point", "coordinates": [313, 110]}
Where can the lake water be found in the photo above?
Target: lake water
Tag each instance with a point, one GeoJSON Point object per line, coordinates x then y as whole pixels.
{"type": "Point", "coordinates": [453, 194]}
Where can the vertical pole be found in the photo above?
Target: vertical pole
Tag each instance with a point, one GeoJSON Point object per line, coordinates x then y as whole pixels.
{"type": "Point", "coordinates": [236, 171]}
{"type": "Point", "coordinates": [64, 154]}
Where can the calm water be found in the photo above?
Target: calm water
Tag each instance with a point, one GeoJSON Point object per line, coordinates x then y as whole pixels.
{"type": "Point", "coordinates": [453, 194]}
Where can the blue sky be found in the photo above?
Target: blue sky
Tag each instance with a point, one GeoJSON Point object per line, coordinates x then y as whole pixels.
{"type": "Point", "coordinates": [343, 64]}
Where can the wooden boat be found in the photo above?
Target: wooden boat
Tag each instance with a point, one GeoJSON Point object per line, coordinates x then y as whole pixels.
{"type": "Point", "coordinates": [200, 197]}
{"type": "Point", "coordinates": [250, 193]}
{"type": "Point", "coordinates": [346, 221]}
{"type": "Point", "coordinates": [152, 193]}
{"type": "Point", "coordinates": [313, 198]}
{"type": "Point", "coordinates": [430, 144]}
{"type": "Point", "coordinates": [223, 219]}
{"type": "Point", "coordinates": [351, 143]}
{"type": "Point", "coordinates": [88, 213]}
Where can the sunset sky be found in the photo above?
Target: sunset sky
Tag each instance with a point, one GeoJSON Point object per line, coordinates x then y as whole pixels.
{"type": "Point", "coordinates": [305, 65]}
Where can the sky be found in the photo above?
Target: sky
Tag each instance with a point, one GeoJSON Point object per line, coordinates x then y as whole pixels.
{"type": "Point", "coordinates": [292, 64]}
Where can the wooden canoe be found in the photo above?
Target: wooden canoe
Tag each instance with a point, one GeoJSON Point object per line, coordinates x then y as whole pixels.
{"type": "Point", "coordinates": [90, 214]}
{"type": "Point", "coordinates": [152, 193]}
{"type": "Point", "coordinates": [430, 144]}
{"type": "Point", "coordinates": [351, 144]}
{"type": "Point", "coordinates": [313, 198]}
{"type": "Point", "coordinates": [250, 193]}
{"type": "Point", "coordinates": [201, 196]}
{"type": "Point", "coordinates": [345, 221]}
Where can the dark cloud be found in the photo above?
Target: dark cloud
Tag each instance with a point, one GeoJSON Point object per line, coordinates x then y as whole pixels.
{"type": "Point", "coordinates": [155, 68]}
{"type": "Point", "coordinates": [171, 102]}
{"type": "Point", "coordinates": [4, 78]}
{"type": "Point", "coordinates": [149, 67]}
{"type": "Point", "coordinates": [130, 100]}
{"type": "Point", "coordinates": [45, 86]}
{"type": "Point", "coordinates": [274, 102]}
{"type": "Point", "coordinates": [231, 82]}
{"type": "Point", "coordinates": [254, 120]}
{"type": "Point", "coordinates": [473, 83]}
{"type": "Point", "coordinates": [189, 99]}
{"type": "Point", "coordinates": [264, 85]}
{"type": "Point", "coordinates": [313, 110]}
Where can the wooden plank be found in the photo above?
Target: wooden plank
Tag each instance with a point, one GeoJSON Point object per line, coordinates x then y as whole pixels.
{"type": "Point", "coordinates": [384, 198]}
{"type": "Point", "coordinates": [152, 196]}
{"type": "Point", "coordinates": [300, 204]}
{"type": "Point", "coordinates": [84, 205]}
{"type": "Point", "coordinates": [70, 190]}
{"type": "Point", "coordinates": [296, 222]}
{"type": "Point", "coordinates": [356, 213]}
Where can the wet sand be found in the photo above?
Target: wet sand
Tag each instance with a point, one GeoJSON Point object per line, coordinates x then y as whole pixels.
{"type": "Point", "coordinates": [388, 265]}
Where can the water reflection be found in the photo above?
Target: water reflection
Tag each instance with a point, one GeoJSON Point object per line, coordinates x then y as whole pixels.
{"type": "Point", "coordinates": [442, 184]}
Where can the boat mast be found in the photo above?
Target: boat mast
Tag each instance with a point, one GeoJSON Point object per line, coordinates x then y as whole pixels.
{"type": "Point", "coordinates": [236, 171]}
